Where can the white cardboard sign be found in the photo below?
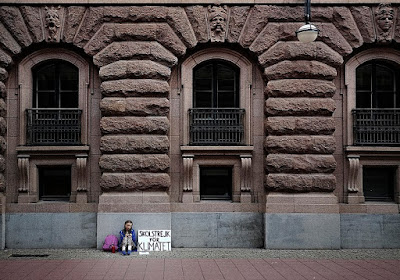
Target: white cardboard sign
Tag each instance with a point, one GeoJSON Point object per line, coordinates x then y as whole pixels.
{"type": "Point", "coordinates": [154, 240]}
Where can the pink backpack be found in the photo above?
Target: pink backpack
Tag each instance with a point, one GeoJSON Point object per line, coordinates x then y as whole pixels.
{"type": "Point", "coordinates": [109, 241]}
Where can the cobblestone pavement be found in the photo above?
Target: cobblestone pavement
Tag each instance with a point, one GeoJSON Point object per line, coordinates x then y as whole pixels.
{"type": "Point", "coordinates": [203, 264]}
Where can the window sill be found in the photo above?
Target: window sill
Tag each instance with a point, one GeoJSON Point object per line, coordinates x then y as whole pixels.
{"type": "Point", "coordinates": [217, 150]}
{"type": "Point", "coordinates": [373, 149]}
{"type": "Point", "coordinates": [52, 149]}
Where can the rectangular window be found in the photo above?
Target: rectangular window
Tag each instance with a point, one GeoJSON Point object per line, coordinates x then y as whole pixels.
{"type": "Point", "coordinates": [379, 183]}
{"type": "Point", "coordinates": [216, 183]}
{"type": "Point", "coordinates": [54, 183]}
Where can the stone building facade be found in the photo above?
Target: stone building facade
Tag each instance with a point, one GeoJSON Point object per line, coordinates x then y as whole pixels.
{"type": "Point", "coordinates": [211, 120]}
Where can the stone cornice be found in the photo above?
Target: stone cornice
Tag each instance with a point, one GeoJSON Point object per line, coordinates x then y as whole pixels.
{"type": "Point", "coordinates": [191, 2]}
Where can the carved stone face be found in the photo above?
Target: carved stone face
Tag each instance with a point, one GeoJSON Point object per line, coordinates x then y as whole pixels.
{"type": "Point", "coordinates": [384, 18]}
{"type": "Point", "coordinates": [52, 18]}
{"type": "Point", "coordinates": [217, 23]}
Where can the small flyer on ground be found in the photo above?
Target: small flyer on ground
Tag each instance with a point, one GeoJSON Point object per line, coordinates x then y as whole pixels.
{"type": "Point", "coordinates": [154, 240]}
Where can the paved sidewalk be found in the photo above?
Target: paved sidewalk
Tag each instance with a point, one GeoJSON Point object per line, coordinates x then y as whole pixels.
{"type": "Point", "coordinates": [212, 264]}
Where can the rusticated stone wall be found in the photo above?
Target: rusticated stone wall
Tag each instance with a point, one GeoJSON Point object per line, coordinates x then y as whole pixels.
{"type": "Point", "coordinates": [135, 48]}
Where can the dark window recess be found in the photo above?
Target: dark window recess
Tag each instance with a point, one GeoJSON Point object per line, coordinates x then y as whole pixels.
{"type": "Point", "coordinates": [54, 182]}
{"type": "Point", "coordinates": [379, 183]}
{"type": "Point", "coordinates": [216, 183]}
{"type": "Point", "coordinates": [376, 118]}
{"type": "Point", "coordinates": [55, 85]}
{"type": "Point", "coordinates": [55, 118]}
{"type": "Point", "coordinates": [216, 118]}
{"type": "Point", "coordinates": [216, 85]}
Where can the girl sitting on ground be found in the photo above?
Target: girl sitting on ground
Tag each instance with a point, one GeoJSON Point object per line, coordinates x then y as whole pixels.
{"type": "Point", "coordinates": [127, 238]}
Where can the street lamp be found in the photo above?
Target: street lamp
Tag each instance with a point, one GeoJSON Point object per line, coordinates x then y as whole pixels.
{"type": "Point", "coordinates": [308, 32]}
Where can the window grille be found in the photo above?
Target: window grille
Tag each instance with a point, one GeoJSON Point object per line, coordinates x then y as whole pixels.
{"type": "Point", "coordinates": [376, 127]}
{"type": "Point", "coordinates": [53, 126]}
{"type": "Point", "coordinates": [216, 126]}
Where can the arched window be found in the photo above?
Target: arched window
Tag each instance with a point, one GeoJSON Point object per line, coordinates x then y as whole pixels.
{"type": "Point", "coordinates": [376, 85]}
{"type": "Point", "coordinates": [55, 117]}
{"type": "Point", "coordinates": [216, 118]}
{"type": "Point", "coordinates": [55, 85]}
{"type": "Point", "coordinates": [216, 85]}
{"type": "Point", "coordinates": [375, 120]}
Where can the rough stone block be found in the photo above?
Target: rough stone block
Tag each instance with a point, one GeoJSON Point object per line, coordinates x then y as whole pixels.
{"type": "Point", "coordinates": [300, 144]}
{"type": "Point", "coordinates": [300, 69]}
{"type": "Point", "coordinates": [3, 90]}
{"type": "Point", "coordinates": [3, 74]}
{"type": "Point", "coordinates": [237, 19]}
{"type": "Point", "coordinates": [297, 50]}
{"type": "Point", "coordinates": [2, 163]}
{"type": "Point", "coordinates": [272, 33]}
{"type": "Point", "coordinates": [90, 24]}
{"type": "Point", "coordinates": [300, 125]}
{"type": "Point", "coordinates": [145, 69]}
{"type": "Point", "coordinates": [257, 19]}
{"type": "Point", "coordinates": [179, 21]}
{"type": "Point", "coordinates": [134, 144]}
{"type": "Point", "coordinates": [300, 88]}
{"type": "Point", "coordinates": [302, 231]}
{"type": "Point", "coordinates": [322, 13]}
{"type": "Point", "coordinates": [73, 17]}
{"type": "Point", "coordinates": [2, 182]}
{"type": "Point", "coordinates": [33, 22]}
{"type": "Point", "coordinates": [134, 87]}
{"type": "Point", "coordinates": [5, 59]}
{"type": "Point", "coordinates": [7, 41]}
{"type": "Point", "coordinates": [364, 20]}
{"type": "Point", "coordinates": [134, 163]}
{"type": "Point", "coordinates": [284, 163]}
{"type": "Point", "coordinates": [312, 182]}
{"type": "Point", "coordinates": [300, 106]}
{"type": "Point", "coordinates": [135, 50]}
{"type": "Point", "coordinates": [3, 108]}
{"type": "Point", "coordinates": [344, 22]}
{"type": "Point", "coordinates": [259, 16]}
{"type": "Point", "coordinates": [3, 126]}
{"type": "Point", "coordinates": [197, 16]}
{"type": "Point", "coordinates": [136, 106]}
{"type": "Point", "coordinates": [331, 36]}
{"type": "Point", "coordinates": [127, 182]}
{"type": "Point", "coordinates": [13, 20]}
{"type": "Point", "coordinates": [134, 125]}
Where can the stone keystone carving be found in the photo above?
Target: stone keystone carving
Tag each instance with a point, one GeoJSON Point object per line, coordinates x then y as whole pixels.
{"type": "Point", "coordinates": [384, 15]}
{"type": "Point", "coordinates": [52, 22]}
{"type": "Point", "coordinates": [217, 17]}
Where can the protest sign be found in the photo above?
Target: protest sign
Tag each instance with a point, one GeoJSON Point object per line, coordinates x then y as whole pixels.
{"type": "Point", "coordinates": [154, 240]}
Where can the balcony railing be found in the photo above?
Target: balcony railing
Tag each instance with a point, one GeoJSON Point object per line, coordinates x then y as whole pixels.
{"type": "Point", "coordinates": [216, 126]}
{"type": "Point", "coordinates": [53, 126]}
{"type": "Point", "coordinates": [376, 127]}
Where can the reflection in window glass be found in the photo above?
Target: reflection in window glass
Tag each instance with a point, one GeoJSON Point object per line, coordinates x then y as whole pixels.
{"type": "Point", "coordinates": [216, 85]}
{"type": "Point", "coordinates": [376, 86]}
{"type": "Point", "coordinates": [55, 85]}
{"type": "Point", "coordinates": [216, 183]}
{"type": "Point", "coordinates": [54, 182]}
{"type": "Point", "coordinates": [378, 183]}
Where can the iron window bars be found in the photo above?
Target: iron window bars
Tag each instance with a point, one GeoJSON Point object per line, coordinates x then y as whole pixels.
{"type": "Point", "coordinates": [53, 126]}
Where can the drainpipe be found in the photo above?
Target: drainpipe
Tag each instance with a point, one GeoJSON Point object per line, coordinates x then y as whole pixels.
{"type": "Point", "coordinates": [3, 221]}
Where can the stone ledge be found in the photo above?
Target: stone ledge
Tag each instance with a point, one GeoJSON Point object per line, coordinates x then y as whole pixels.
{"type": "Point", "coordinates": [370, 208]}
{"type": "Point", "coordinates": [374, 149]}
{"type": "Point", "coordinates": [217, 150]}
{"type": "Point", "coordinates": [301, 203]}
{"type": "Point", "coordinates": [52, 149]}
{"type": "Point", "coordinates": [186, 2]}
